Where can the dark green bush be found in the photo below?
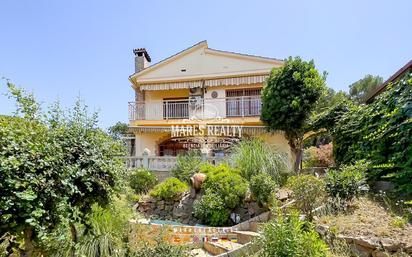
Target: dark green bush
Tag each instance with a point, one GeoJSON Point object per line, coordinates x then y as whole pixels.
{"type": "Point", "coordinates": [348, 182]}
{"type": "Point", "coordinates": [142, 180]}
{"type": "Point", "coordinates": [308, 191]}
{"type": "Point", "coordinates": [169, 188]}
{"type": "Point", "coordinates": [187, 165]}
{"type": "Point", "coordinates": [225, 182]}
{"type": "Point", "coordinates": [288, 236]}
{"type": "Point", "coordinates": [211, 209]}
{"type": "Point", "coordinates": [263, 188]}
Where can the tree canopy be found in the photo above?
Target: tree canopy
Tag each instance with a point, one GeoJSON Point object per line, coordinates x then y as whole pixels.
{"type": "Point", "coordinates": [54, 166]}
{"type": "Point", "coordinates": [118, 130]}
{"type": "Point", "coordinates": [362, 88]}
{"type": "Point", "coordinates": [291, 93]}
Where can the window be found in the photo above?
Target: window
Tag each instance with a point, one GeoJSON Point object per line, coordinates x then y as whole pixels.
{"type": "Point", "coordinates": [243, 102]}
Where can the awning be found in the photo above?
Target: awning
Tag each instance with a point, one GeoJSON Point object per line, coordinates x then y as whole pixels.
{"type": "Point", "coordinates": [167, 86]}
{"type": "Point", "coordinates": [249, 130]}
{"type": "Point", "coordinates": [236, 81]}
{"type": "Point", "coordinates": [208, 83]}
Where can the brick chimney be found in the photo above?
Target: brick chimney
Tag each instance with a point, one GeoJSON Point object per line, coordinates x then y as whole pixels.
{"type": "Point", "coordinates": [141, 60]}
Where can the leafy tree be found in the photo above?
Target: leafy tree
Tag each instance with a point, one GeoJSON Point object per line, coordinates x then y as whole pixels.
{"type": "Point", "coordinates": [90, 158]}
{"type": "Point", "coordinates": [362, 88]}
{"type": "Point", "coordinates": [118, 130]}
{"type": "Point", "coordinates": [329, 118]}
{"type": "Point", "coordinates": [54, 168]}
{"type": "Point", "coordinates": [290, 94]}
{"type": "Point", "coordinates": [31, 200]}
{"type": "Point", "coordinates": [330, 99]}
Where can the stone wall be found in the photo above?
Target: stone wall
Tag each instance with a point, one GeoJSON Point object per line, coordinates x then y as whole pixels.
{"type": "Point", "coordinates": [367, 246]}
{"type": "Point", "coordinates": [181, 208]}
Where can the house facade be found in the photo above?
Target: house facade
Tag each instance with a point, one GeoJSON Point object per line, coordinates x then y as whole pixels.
{"type": "Point", "coordinates": [198, 99]}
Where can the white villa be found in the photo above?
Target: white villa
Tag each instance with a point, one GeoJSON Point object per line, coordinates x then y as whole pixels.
{"type": "Point", "coordinates": [199, 98]}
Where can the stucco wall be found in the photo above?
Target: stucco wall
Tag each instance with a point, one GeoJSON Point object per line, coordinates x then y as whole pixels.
{"type": "Point", "coordinates": [159, 95]}
{"type": "Point", "coordinates": [151, 141]}
{"type": "Point", "coordinates": [279, 141]}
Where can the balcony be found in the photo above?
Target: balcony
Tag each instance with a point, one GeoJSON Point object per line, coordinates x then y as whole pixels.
{"type": "Point", "coordinates": [244, 106]}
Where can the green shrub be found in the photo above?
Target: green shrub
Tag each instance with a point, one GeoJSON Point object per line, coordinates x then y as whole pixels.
{"type": "Point", "coordinates": [142, 180]}
{"type": "Point", "coordinates": [169, 188]}
{"type": "Point", "coordinates": [104, 235]}
{"type": "Point", "coordinates": [108, 231]}
{"type": "Point", "coordinates": [263, 188]}
{"type": "Point", "coordinates": [225, 182]}
{"type": "Point", "coordinates": [187, 165]}
{"type": "Point", "coordinates": [288, 236]}
{"type": "Point", "coordinates": [255, 156]}
{"type": "Point", "coordinates": [348, 182]}
{"type": "Point", "coordinates": [308, 191]}
{"type": "Point", "coordinates": [211, 209]}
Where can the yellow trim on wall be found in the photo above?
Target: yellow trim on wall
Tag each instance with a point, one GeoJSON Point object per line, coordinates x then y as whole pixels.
{"type": "Point", "coordinates": [231, 121]}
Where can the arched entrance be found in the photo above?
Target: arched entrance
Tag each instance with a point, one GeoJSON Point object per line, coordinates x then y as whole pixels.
{"type": "Point", "coordinates": [216, 146]}
{"type": "Point", "coordinates": [171, 147]}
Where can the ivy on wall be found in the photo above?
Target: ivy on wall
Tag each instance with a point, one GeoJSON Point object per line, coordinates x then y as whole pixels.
{"type": "Point", "coordinates": [381, 133]}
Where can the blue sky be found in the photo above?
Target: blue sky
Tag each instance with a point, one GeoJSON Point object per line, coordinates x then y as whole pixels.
{"type": "Point", "coordinates": [63, 49]}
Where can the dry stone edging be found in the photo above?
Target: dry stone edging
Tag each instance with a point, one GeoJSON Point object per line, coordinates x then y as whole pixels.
{"type": "Point", "coordinates": [180, 208]}
{"type": "Point", "coordinates": [366, 246]}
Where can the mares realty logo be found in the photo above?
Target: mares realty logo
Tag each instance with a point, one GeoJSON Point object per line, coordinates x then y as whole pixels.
{"type": "Point", "coordinates": [207, 129]}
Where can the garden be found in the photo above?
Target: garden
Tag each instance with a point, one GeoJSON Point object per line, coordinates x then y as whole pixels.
{"type": "Point", "coordinates": [65, 190]}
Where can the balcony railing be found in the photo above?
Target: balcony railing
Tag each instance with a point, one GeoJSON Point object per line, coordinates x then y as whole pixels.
{"type": "Point", "coordinates": [161, 163]}
{"type": "Point", "coordinates": [243, 106]}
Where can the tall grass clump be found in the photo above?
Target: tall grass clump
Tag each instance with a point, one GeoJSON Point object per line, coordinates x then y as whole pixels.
{"type": "Point", "coordinates": [106, 231]}
{"type": "Point", "coordinates": [186, 165]}
{"type": "Point", "coordinates": [254, 156]}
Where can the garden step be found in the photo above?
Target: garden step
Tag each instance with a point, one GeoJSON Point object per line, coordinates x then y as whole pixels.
{"type": "Point", "coordinates": [219, 247]}
{"type": "Point", "coordinates": [244, 237]}
{"type": "Point", "coordinates": [255, 225]}
{"type": "Point", "coordinates": [200, 252]}
{"type": "Point", "coordinates": [228, 245]}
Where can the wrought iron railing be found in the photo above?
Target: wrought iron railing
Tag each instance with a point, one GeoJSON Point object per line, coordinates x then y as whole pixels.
{"type": "Point", "coordinates": [242, 106]}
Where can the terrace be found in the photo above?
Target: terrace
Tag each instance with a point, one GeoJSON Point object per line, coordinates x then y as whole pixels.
{"type": "Point", "coordinates": [196, 108]}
